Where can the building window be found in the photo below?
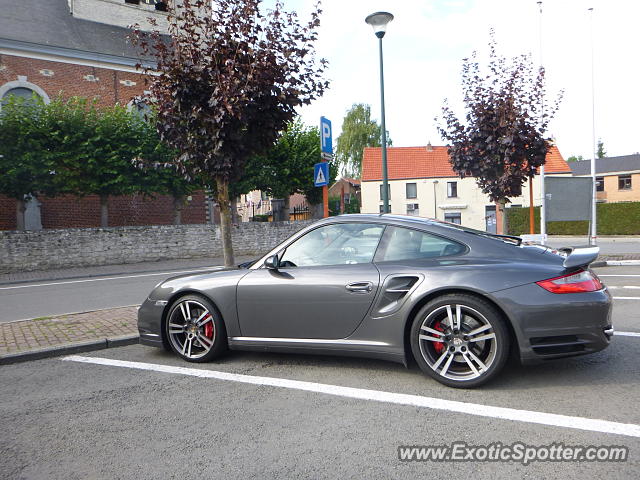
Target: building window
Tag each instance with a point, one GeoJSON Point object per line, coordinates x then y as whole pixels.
{"type": "Point", "coordinates": [452, 189]}
{"type": "Point", "coordinates": [388, 191]}
{"type": "Point", "coordinates": [599, 184]}
{"type": "Point", "coordinates": [347, 198]}
{"type": "Point", "coordinates": [21, 88]}
{"type": "Point", "coordinates": [412, 191]}
{"type": "Point", "coordinates": [20, 92]}
{"type": "Point", "coordinates": [382, 207]}
{"type": "Point", "coordinates": [413, 209]}
{"type": "Point", "coordinates": [624, 182]}
{"type": "Point", "coordinates": [453, 218]}
{"type": "Point", "coordinates": [141, 108]}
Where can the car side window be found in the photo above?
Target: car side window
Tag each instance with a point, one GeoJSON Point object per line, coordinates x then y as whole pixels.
{"type": "Point", "coordinates": [405, 244]}
{"type": "Point", "coordinates": [337, 244]}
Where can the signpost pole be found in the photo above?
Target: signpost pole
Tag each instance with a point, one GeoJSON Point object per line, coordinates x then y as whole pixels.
{"type": "Point", "coordinates": [326, 150]}
{"type": "Point", "coordinates": [325, 201]}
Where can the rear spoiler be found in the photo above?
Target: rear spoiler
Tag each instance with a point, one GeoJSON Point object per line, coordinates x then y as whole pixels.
{"type": "Point", "coordinates": [579, 256]}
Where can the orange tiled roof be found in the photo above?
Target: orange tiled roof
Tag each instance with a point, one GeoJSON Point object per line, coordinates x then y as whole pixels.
{"type": "Point", "coordinates": [353, 181]}
{"type": "Point", "coordinates": [421, 162]}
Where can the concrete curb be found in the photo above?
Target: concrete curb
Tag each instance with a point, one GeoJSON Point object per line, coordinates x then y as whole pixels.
{"type": "Point", "coordinates": [615, 263]}
{"type": "Point", "coordinates": [68, 349]}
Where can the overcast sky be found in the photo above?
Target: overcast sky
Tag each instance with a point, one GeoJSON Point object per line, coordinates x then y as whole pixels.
{"type": "Point", "coordinates": [428, 39]}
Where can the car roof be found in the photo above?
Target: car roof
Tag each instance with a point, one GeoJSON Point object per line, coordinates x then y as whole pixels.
{"type": "Point", "coordinates": [389, 217]}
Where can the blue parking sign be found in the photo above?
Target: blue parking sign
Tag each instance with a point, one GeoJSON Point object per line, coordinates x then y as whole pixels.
{"type": "Point", "coordinates": [326, 141]}
{"type": "Point", "coordinates": [321, 174]}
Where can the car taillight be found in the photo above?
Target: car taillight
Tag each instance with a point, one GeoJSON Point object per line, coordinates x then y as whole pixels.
{"type": "Point", "coordinates": [579, 282]}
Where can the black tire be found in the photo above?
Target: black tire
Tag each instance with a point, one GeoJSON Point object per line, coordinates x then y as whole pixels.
{"type": "Point", "coordinates": [189, 340]}
{"type": "Point", "coordinates": [464, 357]}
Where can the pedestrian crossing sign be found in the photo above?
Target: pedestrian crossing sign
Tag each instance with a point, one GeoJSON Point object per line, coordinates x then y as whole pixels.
{"type": "Point", "coordinates": [321, 174]}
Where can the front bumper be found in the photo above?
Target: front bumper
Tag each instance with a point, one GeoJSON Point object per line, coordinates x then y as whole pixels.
{"type": "Point", "coordinates": [150, 316]}
{"type": "Point", "coordinates": [549, 325]}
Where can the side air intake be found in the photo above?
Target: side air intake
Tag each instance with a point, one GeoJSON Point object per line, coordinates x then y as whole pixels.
{"type": "Point", "coordinates": [394, 291]}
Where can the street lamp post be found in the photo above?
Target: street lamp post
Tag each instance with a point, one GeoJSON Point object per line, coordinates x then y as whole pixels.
{"type": "Point", "coordinates": [594, 228]}
{"type": "Point", "coordinates": [379, 21]}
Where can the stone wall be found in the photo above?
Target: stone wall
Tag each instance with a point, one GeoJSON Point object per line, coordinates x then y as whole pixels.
{"type": "Point", "coordinates": [49, 249]}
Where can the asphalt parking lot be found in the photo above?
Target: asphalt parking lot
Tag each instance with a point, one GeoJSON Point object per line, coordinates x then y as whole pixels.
{"type": "Point", "coordinates": [138, 412]}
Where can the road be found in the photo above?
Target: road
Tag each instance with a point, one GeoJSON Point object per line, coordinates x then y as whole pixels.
{"type": "Point", "coordinates": [608, 245]}
{"type": "Point", "coordinates": [102, 415]}
{"type": "Point", "coordinates": [21, 301]}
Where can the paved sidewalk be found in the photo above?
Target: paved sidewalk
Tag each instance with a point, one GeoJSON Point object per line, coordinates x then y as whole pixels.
{"type": "Point", "coordinates": [48, 336]}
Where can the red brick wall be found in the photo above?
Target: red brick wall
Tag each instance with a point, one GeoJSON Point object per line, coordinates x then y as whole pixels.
{"type": "Point", "coordinates": [68, 81]}
{"type": "Point", "coordinates": [67, 211]}
{"type": "Point", "coordinates": [7, 213]}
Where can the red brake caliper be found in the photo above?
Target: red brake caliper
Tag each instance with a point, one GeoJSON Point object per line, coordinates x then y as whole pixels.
{"type": "Point", "coordinates": [438, 346]}
{"type": "Point", "coordinates": [208, 328]}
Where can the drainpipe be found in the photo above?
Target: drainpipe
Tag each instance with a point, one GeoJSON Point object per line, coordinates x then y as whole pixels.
{"type": "Point", "coordinates": [435, 200]}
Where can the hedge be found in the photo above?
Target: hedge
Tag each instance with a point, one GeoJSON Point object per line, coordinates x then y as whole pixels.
{"type": "Point", "coordinates": [612, 218]}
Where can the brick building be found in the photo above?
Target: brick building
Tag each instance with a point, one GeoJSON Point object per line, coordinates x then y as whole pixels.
{"type": "Point", "coordinates": [617, 180]}
{"type": "Point", "coordinates": [79, 48]}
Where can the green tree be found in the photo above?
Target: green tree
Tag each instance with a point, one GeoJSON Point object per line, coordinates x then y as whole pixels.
{"type": "Point", "coordinates": [574, 158]}
{"type": "Point", "coordinates": [159, 170]}
{"type": "Point", "coordinates": [95, 150]}
{"type": "Point", "coordinates": [227, 82]}
{"type": "Point", "coordinates": [26, 170]}
{"type": "Point", "coordinates": [358, 131]}
{"type": "Point", "coordinates": [601, 152]}
{"type": "Point", "coordinates": [287, 167]}
{"type": "Point", "coordinates": [502, 141]}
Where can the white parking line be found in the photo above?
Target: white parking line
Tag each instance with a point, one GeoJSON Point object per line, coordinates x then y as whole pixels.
{"type": "Point", "coordinates": [626, 298]}
{"type": "Point", "coordinates": [620, 275]}
{"type": "Point", "coordinates": [627, 334]}
{"type": "Point", "coordinates": [631, 287]}
{"type": "Point", "coordinates": [112, 278]}
{"type": "Point", "coordinates": [527, 416]}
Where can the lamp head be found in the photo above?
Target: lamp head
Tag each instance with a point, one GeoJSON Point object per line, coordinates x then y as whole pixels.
{"type": "Point", "coordinates": [379, 21]}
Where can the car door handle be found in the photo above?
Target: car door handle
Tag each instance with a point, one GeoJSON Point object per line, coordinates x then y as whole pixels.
{"type": "Point", "coordinates": [360, 287]}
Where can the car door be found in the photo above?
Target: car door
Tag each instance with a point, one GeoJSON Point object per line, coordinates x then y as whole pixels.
{"type": "Point", "coordinates": [322, 290]}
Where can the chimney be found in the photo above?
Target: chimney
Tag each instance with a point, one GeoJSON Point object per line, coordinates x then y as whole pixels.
{"type": "Point", "coordinates": [429, 147]}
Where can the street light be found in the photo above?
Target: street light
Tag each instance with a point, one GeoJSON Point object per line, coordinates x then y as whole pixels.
{"type": "Point", "coordinates": [379, 21]}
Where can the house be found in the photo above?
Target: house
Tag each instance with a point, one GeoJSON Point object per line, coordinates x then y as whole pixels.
{"type": "Point", "coordinates": [422, 182]}
{"type": "Point", "coordinates": [348, 191]}
{"type": "Point", "coordinates": [80, 48]}
{"type": "Point", "coordinates": [617, 178]}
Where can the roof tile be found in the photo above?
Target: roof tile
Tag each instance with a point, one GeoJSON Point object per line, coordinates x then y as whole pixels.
{"type": "Point", "coordinates": [429, 162]}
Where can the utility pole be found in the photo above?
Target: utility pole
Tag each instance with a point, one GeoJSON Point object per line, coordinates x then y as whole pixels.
{"type": "Point", "coordinates": [593, 233]}
{"type": "Point", "coordinates": [543, 198]}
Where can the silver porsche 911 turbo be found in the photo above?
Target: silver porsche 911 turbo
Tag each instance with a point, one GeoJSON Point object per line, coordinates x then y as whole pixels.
{"type": "Point", "coordinates": [456, 301]}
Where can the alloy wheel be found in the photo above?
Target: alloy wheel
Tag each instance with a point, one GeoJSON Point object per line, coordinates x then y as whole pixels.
{"type": "Point", "coordinates": [458, 342]}
{"type": "Point", "coordinates": [191, 329]}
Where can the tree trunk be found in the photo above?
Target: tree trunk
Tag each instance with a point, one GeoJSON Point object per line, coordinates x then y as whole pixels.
{"type": "Point", "coordinates": [501, 217]}
{"type": "Point", "coordinates": [21, 207]}
{"type": "Point", "coordinates": [532, 223]}
{"type": "Point", "coordinates": [104, 211]}
{"type": "Point", "coordinates": [178, 203]}
{"type": "Point", "coordinates": [225, 221]}
{"type": "Point", "coordinates": [286, 210]}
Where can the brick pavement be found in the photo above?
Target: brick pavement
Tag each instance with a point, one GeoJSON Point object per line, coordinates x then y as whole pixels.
{"type": "Point", "coordinates": [64, 330]}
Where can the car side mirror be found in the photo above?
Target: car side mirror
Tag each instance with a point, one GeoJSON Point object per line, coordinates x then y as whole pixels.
{"type": "Point", "coordinates": [272, 262]}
